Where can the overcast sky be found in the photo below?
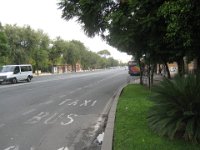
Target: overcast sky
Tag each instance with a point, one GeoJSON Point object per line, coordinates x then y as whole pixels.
{"type": "Point", "coordinates": [44, 14]}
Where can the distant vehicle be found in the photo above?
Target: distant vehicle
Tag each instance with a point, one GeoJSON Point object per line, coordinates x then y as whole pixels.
{"type": "Point", "coordinates": [15, 73]}
{"type": "Point", "coordinates": [133, 68]}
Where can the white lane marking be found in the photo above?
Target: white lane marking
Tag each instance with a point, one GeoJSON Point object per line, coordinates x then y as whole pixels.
{"type": "Point", "coordinates": [47, 102]}
{"type": "Point", "coordinates": [12, 148]}
{"type": "Point", "coordinates": [62, 96]}
{"type": "Point", "coordinates": [63, 148]}
{"type": "Point", "coordinates": [74, 103]}
{"type": "Point", "coordinates": [37, 118]}
{"type": "Point", "coordinates": [94, 103]}
{"type": "Point", "coordinates": [2, 125]}
{"type": "Point", "coordinates": [28, 112]}
{"type": "Point", "coordinates": [52, 119]}
{"type": "Point", "coordinates": [32, 148]}
{"type": "Point", "coordinates": [85, 103]}
{"type": "Point", "coordinates": [70, 119]}
{"type": "Point", "coordinates": [63, 102]}
{"type": "Point", "coordinates": [71, 92]}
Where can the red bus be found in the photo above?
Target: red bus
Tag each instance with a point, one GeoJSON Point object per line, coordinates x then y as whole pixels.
{"type": "Point", "coordinates": [133, 68]}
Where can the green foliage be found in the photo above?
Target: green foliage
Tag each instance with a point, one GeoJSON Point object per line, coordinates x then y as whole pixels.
{"type": "Point", "coordinates": [56, 50]}
{"type": "Point", "coordinates": [167, 30]}
{"type": "Point", "coordinates": [24, 45]}
{"type": "Point", "coordinates": [4, 48]}
{"type": "Point", "coordinates": [176, 110]}
{"type": "Point", "coordinates": [104, 53]}
{"type": "Point", "coordinates": [131, 129]}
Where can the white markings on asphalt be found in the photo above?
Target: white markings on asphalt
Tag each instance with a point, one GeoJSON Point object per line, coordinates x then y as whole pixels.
{"type": "Point", "coordinates": [37, 118]}
{"type": "Point", "coordinates": [62, 96]}
{"type": "Point", "coordinates": [69, 117]}
{"type": "Point", "coordinates": [2, 125]}
{"type": "Point", "coordinates": [63, 102]}
{"type": "Point", "coordinates": [85, 103]}
{"type": "Point", "coordinates": [12, 148]}
{"type": "Point", "coordinates": [28, 112]}
{"type": "Point", "coordinates": [74, 103]}
{"type": "Point", "coordinates": [48, 118]}
{"type": "Point", "coordinates": [52, 119]}
{"type": "Point", "coordinates": [47, 102]}
{"type": "Point", "coordinates": [78, 89]}
{"type": "Point", "coordinates": [71, 92]}
{"type": "Point", "coordinates": [63, 148]}
{"type": "Point", "coordinates": [94, 102]}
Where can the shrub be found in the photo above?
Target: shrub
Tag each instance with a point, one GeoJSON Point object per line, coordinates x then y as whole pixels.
{"type": "Point", "coordinates": [176, 109]}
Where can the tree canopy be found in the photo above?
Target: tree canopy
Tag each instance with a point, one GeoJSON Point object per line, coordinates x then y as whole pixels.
{"type": "Point", "coordinates": [20, 45]}
{"type": "Point", "coordinates": [166, 30]}
{"type": "Point", "coordinates": [104, 53]}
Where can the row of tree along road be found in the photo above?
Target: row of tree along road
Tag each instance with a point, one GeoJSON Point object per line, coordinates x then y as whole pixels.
{"type": "Point", "coordinates": [162, 31]}
{"type": "Point", "coordinates": [23, 45]}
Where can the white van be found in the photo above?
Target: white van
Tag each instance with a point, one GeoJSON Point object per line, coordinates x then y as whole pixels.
{"type": "Point", "coordinates": [15, 73]}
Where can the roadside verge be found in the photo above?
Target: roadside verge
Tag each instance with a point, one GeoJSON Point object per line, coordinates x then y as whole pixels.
{"type": "Point", "coordinates": [108, 136]}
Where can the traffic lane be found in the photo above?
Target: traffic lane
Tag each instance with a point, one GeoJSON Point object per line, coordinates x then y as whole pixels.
{"type": "Point", "coordinates": [42, 114]}
{"type": "Point", "coordinates": [14, 108]}
{"type": "Point", "coordinates": [47, 116]}
{"type": "Point", "coordinates": [15, 98]}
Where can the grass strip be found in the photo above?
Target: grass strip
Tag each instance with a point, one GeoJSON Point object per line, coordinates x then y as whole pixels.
{"type": "Point", "coordinates": [131, 130]}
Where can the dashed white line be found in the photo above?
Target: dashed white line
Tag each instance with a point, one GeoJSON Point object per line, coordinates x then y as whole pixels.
{"type": "Point", "coordinates": [94, 103]}
{"type": "Point", "coordinates": [63, 102]}
{"type": "Point", "coordinates": [12, 148]}
{"type": "Point", "coordinates": [71, 92]}
{"type": "Point", "coordinates": [28, 112]}
{"type": "Point", "coordinates": [63, 148]}
{"type": "Point", "coordinates": [47, 102]}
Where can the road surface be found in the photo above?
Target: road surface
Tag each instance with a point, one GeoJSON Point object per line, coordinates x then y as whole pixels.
{"type": "Point", "coordinates": [57, 112]}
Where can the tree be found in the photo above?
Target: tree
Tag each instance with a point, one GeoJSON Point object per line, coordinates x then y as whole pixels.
{"type": "Point", "coordinates": [104, 53]}
{"type": "Point", "coordinates": [130, 26]}
{"type": "Point", "coordinates": [40, 53]}
{"type": "Point", "coordinates": [72, 55]}
{"type": "Point", "coordinates": [4, 48]}
{"type": "Point", "coordinates": [159, 28]}
{"type": "Point", "coordinates": [57, 50]}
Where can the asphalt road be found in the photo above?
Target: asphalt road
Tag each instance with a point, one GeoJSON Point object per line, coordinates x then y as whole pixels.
{"type": "Point", "coordinates": [57, 112]}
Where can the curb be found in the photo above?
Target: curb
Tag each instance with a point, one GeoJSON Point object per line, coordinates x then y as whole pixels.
{"type": "Point", "coordinates": [108, 136]}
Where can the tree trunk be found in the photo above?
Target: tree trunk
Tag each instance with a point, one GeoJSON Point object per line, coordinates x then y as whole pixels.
{"type": "Point", "coordinates": [167, 69]}
{"type": "Point", "coordinates": [180, 63]}
{"type": "Point", "coordinates": [75, 67]}
{"type": "Point", "coordinates": [152, 72]}
{"type": "Point", "coordinates": [198, 64]}
{"type": "Point", "coordinates": [160, 69]}
{"type": "Point", "coordinates": [185, 60]}
{"type": "Point", "coordinates": [149, 74]}
{"type": "Point", "coordinates": [141, 72]}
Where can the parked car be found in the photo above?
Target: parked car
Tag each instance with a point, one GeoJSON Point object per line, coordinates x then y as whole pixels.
{"type": "Point", "coordinates": [15, 73]}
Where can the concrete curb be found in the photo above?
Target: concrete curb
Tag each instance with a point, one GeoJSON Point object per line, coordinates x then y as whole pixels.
{"type": "Point", "coordinates": [108, 136]}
